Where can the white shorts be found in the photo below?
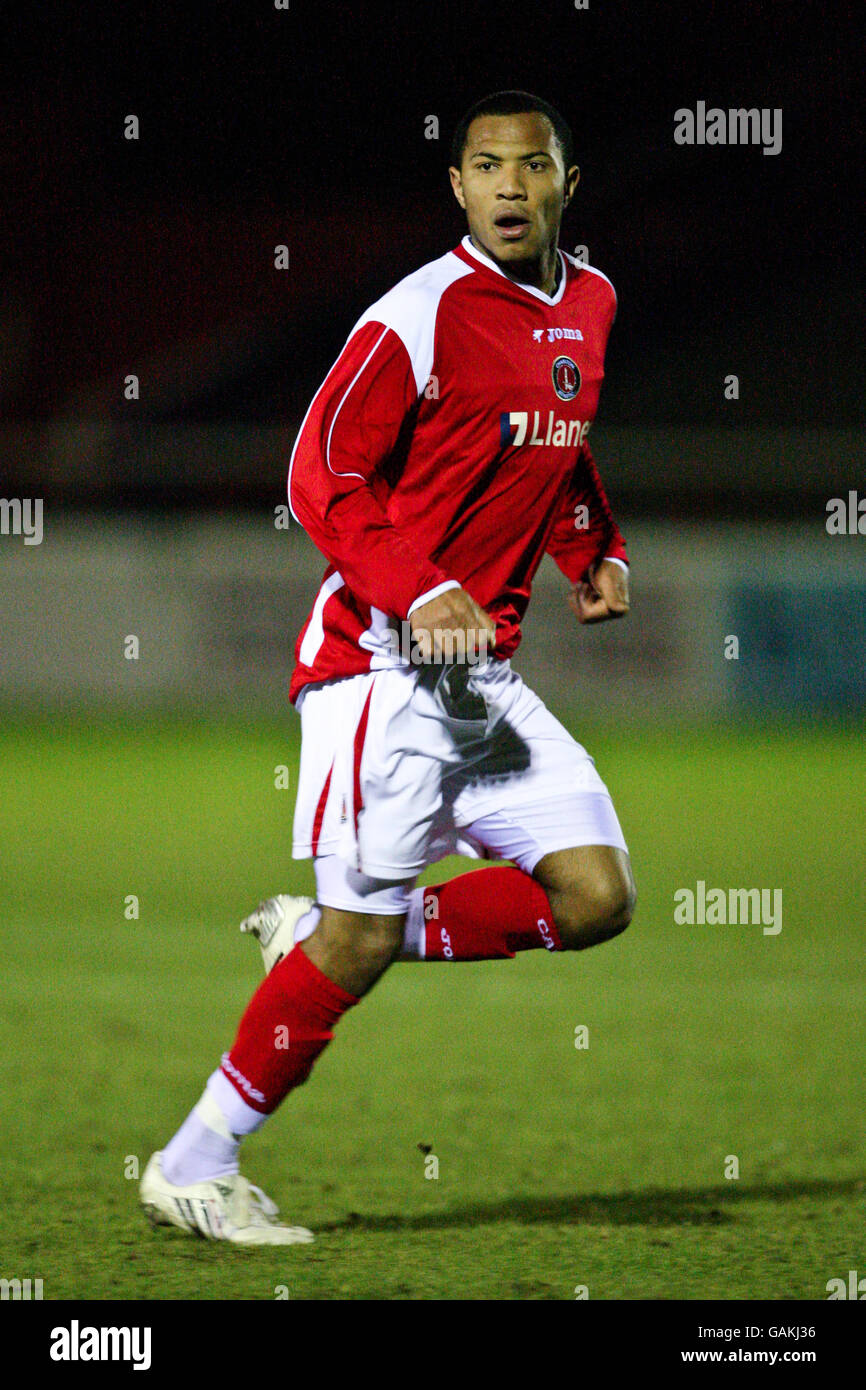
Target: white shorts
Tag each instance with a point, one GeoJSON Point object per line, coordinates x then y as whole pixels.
{"type": "Point", "coordinates": [393, 778]}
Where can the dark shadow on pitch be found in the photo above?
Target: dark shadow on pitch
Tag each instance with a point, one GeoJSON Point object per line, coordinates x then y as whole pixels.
{"type": "Point", "coordinates": [708, 1206]}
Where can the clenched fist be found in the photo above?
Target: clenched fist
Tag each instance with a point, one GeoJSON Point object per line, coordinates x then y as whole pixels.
{"type": "Point", "coordinates": [452, 623]}
{"type": "Point", "coordinates": [604, 596]}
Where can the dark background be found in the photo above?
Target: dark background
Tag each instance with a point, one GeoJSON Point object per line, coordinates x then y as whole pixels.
{"type": "Point", "coordinates": [306, 127]}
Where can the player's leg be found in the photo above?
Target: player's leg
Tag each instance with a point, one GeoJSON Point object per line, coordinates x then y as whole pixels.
{"type": "Point", "coordinates": [591, 893]}
{"type": "Point", "coordinates": [572, 898]}
{"type": "Point", "coordinates": [195, 1183]}
{"type": "Point", "coordinates": [292, 1015]}
{"type": "Point", "coordinates": [559, 899]}
{"type": "Point", "coordinates": [488, 914]}
{"type": "Point", "coordinates": [537, 801]}
{"type": "Point", "coordinates": [346, 783]}
{"type": "Point", "coordinates": [354, 949]}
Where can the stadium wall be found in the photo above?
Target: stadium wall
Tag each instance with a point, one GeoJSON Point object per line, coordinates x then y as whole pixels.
{"type": "Point", "coordinates": [759, 617]}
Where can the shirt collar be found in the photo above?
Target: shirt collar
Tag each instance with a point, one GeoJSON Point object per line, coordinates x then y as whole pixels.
{"type": "Point", "coordinates": [555, 298]}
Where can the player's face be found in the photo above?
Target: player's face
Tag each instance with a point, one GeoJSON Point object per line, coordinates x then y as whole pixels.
{"type": "Point", "coordinates": [514, 187]}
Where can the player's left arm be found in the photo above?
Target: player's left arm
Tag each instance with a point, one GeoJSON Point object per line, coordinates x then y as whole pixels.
{"type": "Point", "coordinates": [589, 547]}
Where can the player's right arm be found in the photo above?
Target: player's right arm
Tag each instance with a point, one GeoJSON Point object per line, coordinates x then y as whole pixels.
{"type": "Point", "coordinates": [452, 612]}
{"type": "Point", "coordinates": [337, 492]}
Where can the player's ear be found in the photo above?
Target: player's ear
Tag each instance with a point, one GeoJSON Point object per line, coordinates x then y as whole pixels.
{"type": "Point", "coordinates": [457, 186]}
{"type": "Point", "coordinates": [572, 179]}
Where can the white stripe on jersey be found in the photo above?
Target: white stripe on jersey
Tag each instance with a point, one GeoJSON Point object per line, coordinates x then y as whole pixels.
{"type": "Point", "coordinates": [377, 640]}
{"type": "Point", "coordinates": [410, 309]}
{"type": "Point", "coordinates": [340, 407]}
{"type": "Point", "coordinates": [583, 265]}
{"type": "Point", "coordinates": [315, 633]}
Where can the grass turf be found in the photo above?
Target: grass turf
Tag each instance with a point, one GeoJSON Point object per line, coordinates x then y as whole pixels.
{"type": "Point", "coordinates": [559, 1167]}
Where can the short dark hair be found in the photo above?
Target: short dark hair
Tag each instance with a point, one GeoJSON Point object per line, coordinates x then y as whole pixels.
{"type": "Point", "coordinates": [513, 104]}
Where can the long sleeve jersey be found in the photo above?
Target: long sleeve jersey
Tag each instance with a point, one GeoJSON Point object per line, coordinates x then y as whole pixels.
{"type": "Point", "coordinates": [448, 445]}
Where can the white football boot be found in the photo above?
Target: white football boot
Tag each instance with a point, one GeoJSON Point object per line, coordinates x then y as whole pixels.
{"type": "Point", "coordinates": [273, 925]}
{"type": "Point", "coordinates": [228, 1208]}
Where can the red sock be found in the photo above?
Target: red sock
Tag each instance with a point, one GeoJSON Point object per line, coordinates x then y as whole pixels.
{"type": "Point", "coordinates": [288, 1022]}
{"type": "Point", "coordinates": [487, 915]}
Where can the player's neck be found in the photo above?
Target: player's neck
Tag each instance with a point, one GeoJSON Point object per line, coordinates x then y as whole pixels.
{"type": "Point", "coordinates": [541, 274]}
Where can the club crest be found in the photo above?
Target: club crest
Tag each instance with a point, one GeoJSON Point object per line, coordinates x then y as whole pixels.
{"type": "Point", "coordinates": [566, 378]}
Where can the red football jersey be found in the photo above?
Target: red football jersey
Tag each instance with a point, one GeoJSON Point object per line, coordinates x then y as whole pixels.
{"type": "Point", "coordinates": [448, 445]}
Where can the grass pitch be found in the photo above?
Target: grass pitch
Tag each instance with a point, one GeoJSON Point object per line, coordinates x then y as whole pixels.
{"type": "Point", "coordinates": [559, 1167]}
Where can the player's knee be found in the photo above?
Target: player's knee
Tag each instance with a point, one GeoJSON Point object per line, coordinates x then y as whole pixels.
{"type": "Point", "coordinates": [594, 911]}
{"type": "Point", "coordinates": [373, 941]}
{"type": "Point", "coordinates": [381, 938]}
